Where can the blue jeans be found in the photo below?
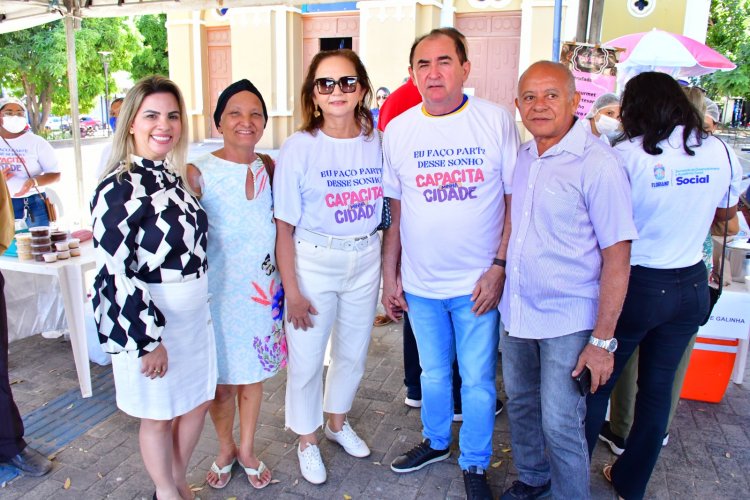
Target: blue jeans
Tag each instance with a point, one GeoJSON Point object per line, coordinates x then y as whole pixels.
{"type": "Point", "coordinates": [662, 311]}
{"type": "Point", "coordinates": [413, 372]}
{"type": "Point", "coordinates": [32, 209]}
{"type": "Point", "coordinates": [547, 412]}
{"type": "Point", "coordinates": [445, 329]}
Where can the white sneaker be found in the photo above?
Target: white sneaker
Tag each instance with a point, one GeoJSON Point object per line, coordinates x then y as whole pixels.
{"type": "Point", "coordinates": [413, 403]}
{"type": "Point", "coordinates": [349, 440]}
{"type": "Point", "coordinates": [311, 464]}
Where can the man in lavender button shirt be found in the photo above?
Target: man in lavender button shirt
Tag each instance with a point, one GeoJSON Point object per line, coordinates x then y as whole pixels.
{"type": "Point", "coordinates": [568, 265]}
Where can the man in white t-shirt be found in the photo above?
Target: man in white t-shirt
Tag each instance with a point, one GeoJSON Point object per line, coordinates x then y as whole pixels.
{"type": "Point", "coordinates": [448, 169]}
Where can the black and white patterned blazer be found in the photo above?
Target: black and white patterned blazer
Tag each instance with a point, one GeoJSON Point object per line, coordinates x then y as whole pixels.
{"type": "Point", "coordinates": [147, 229]}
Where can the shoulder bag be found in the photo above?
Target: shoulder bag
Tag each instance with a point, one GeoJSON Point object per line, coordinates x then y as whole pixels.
{"type": "Point", "coordinates": [385, 217]}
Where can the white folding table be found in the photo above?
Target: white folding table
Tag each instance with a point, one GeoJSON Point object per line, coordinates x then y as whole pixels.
{"type": "Point", "coordinates": [69, 272]}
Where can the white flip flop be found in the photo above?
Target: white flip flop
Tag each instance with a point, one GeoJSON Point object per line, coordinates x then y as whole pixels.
{"type": "Point", "coordinates": [255, 472]}
{"type": "Point", "coordinates": [227, 469]}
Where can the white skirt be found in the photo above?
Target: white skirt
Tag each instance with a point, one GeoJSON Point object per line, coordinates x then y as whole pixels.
{"type": "Point", "coordinates": [191, 357]}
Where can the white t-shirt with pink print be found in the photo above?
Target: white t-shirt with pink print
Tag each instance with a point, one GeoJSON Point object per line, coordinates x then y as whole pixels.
{"type": "Point", "coordinates": [329, 186]}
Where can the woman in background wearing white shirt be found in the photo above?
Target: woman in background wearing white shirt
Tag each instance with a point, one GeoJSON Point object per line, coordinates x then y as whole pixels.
{"type": "Point", "coordinates": [27, 161]}
{"type": "Point", "coordinates": [672, 164]}
{"type": "Point", "coordinates": [328, 199]}
{"type": "Point", "coordinates": [603, 119]}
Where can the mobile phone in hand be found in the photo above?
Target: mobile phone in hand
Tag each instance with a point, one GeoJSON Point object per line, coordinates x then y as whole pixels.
{"type": "Point", "coordinates": [583, 380]}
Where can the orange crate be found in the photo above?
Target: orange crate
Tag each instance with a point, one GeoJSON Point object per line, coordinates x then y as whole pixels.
{"type": "Point", "coordinates": [710, 369]}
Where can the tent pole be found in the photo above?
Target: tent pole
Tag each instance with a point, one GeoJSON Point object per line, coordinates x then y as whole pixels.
{"type": "Point", "coordinates": [75, 129]}
{"type": "Point", "coordinates": [595, 28]}
{"type": "Point", "coordinates": [582, 28]}
{"type": "Point", "coordinates": [556, 31]}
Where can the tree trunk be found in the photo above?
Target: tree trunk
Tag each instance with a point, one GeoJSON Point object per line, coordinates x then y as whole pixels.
{"type": "Point", "coordinates": [45, 99]}
{"type": "Point", "coordinates": [31, 103]}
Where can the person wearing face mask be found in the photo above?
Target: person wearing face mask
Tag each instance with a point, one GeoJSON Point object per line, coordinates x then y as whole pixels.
{"type": "Point", "coordinates": [114, 112]}
{"type": "Point", "coordinates": [603, 119]}
{"type": "Point", "coordinates": [27, 162]}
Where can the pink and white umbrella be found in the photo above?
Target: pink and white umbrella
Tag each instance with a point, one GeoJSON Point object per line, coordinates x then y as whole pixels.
{"type": "Point", "coordinates": [677, 55]}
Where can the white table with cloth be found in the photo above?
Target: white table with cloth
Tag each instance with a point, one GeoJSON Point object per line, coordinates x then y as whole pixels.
{"type": "Point", "coordinates": [70, 276]}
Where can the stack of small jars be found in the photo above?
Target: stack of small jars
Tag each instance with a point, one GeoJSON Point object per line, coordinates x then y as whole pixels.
{"type": "Point", "coordinates": [44, 245]}
{"type": "Point", "coordinates": [23, 246]}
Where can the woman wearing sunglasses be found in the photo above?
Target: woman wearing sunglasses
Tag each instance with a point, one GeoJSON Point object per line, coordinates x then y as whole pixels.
{"type": "Point", "coordinates": [380, 96]}
{"type": "Point", "coordinates": [328, 201]}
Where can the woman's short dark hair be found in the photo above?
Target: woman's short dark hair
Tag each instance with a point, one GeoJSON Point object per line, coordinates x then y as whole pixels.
{"type": "Point", "coordinates": [653, 104]}
{"type": "Point", "coordinates": [310, 122]}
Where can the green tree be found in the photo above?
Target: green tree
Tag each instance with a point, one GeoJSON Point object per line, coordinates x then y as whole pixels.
{"type": "Point", "coordinates": [33, 63]}
{"type": "Point", "coordinates": [153, 58]}
{"type": "Point", "coordinates": [729, 33]}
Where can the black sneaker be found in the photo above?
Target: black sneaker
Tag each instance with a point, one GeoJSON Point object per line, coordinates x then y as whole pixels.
{"type": "Point", "coordinates": [475, 483]}
{"type": "Point", "coordinates": [418, 457]}
{"type": "Point", "coordinates": [458, 415]}
{"type": "Point", "coordinates": [615, 442]}
{"type": "Point", "coordinates": [522, 491]}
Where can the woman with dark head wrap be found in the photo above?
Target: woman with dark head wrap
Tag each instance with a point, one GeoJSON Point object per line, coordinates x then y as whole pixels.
{"type": "Point", "coordinates": [234, 185]}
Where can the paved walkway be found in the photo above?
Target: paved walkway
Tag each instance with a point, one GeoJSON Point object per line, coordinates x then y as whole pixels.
{"type": "Point", "coordinates": [708, 456]}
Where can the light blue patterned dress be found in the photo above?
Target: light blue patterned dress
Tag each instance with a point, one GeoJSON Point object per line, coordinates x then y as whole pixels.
{"type": "Point", "coordinates": [246, 294]}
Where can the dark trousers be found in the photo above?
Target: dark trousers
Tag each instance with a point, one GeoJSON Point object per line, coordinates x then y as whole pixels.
{"type": "Point", "coordinates": [412, 369]}
{"type": "Point", "coordinates": [11, 425]}
{"type": "Point", "coordinates": [662, 311]}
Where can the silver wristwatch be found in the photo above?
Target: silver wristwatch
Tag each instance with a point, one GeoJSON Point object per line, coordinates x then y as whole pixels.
{"type": "Point", "coordinates": [608, 345]}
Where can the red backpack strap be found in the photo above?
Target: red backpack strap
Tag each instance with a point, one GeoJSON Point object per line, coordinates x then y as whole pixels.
{"type": "Point", "coordinates": [269, 164]}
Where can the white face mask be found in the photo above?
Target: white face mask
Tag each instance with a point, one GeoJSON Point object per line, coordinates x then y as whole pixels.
{"type": "Point", "coordinates": [14, 124]}
{"type": "Point", "coordinates": [608, 126]}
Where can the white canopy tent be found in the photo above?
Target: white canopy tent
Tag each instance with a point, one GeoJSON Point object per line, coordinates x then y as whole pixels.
{"type": "Point", "coordinates": [17, 15]}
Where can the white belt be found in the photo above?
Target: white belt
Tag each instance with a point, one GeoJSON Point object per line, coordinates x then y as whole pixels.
{"type": "Point", "coordinates": [334, 243]}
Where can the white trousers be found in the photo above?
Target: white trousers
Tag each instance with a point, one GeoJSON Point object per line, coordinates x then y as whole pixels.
{"type": "Point", "coordinates": [343, 288]}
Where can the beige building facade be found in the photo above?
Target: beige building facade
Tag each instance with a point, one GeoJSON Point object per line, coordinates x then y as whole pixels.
{"type": "Point", "coordinates": [273, 45]}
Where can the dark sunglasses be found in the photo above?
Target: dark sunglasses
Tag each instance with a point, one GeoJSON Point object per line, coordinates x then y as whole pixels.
{"type": "Point", "coordinates": [347, 84]}
{"type": "Point", "coordinates": [381, 97]}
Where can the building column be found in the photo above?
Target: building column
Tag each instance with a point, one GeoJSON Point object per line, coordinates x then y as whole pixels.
{"type": "Point", "coordinates": [387, 30]}
{"type": "Point", "coordinates": [537, 21]}
{"type": "Point", "coordinates": [185, 42]}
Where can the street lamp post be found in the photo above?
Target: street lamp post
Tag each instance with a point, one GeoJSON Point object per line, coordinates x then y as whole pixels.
{"type": "Point", "coordinates": [105, 63]}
